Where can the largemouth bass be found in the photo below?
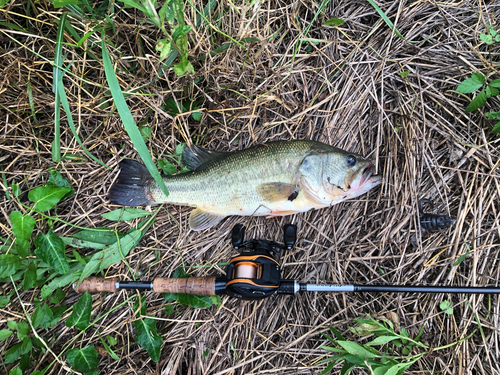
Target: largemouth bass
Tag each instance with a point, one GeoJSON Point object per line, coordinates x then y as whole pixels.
{"type": "Point", "coordinates": [278, 178]}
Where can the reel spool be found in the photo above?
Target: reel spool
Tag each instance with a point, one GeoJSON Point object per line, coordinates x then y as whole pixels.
{"type": "Point", "coordinates": [255, 274]}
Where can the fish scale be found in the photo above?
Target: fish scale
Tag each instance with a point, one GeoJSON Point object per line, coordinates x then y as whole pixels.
{"type": "Point", "coordinates": [278, 178]}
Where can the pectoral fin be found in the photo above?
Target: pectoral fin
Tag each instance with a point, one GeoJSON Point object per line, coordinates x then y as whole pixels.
{"type": "Point", "coordinates": [277, 191]}
{"type": "Point", "coordinates": [200, 220]}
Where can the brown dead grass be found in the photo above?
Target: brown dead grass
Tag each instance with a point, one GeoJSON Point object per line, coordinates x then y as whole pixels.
{"type": "Point", "coordinates": [344, 91]}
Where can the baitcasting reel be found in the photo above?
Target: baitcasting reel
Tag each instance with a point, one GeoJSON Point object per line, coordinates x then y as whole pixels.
{"type": "Point", "coordinates": [255, 273]}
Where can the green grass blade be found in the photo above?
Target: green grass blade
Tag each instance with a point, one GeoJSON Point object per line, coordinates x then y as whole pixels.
{"type": "Point", "coordinates": [57, 78]}
{"type": "Point", "coordinates": [386, 19]}
{"type": "Point", "coordinates": [65, 104]}
{"type": "Point", "coordinates": [127, 119]}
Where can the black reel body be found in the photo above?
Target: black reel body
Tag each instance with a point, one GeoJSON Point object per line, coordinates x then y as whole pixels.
{"type": "Point", "coordinates": [255, 273]}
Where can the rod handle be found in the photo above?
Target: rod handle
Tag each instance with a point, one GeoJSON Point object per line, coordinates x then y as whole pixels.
{"type": "Point", "coordinates": [200, 286]}
{"type": "Point", "coordinates": [96, 285]}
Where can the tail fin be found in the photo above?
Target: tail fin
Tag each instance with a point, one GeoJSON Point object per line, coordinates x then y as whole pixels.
{"type": "Point", "coordinates": [133, 185]}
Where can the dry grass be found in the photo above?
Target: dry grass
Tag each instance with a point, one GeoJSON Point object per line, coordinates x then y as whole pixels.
{"type": "Point", "coordinates": [345, 91]}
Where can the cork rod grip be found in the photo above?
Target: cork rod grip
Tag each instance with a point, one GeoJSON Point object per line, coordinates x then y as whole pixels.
{"type": "Point", "coordinates": [201, 286]}
{"type": "Point", "coordinates": [95, 285]}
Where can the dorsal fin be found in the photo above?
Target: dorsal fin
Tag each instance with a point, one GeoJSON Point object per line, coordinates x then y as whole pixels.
{"type": "Point", "coordinates": [197, 156]}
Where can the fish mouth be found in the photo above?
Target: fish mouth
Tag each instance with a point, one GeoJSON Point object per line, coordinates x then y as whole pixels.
{"type": "Point", "coordinates": [367, 178]}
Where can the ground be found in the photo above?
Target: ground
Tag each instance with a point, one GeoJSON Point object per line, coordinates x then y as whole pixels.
{"type": "Point", "coordinates": [263, 71]}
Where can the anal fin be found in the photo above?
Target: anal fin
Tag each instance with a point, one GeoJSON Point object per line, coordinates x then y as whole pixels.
{"type": "Point", "coordinates": [278, 191]}
{"type": "Point", "coordinates": [200, 220]}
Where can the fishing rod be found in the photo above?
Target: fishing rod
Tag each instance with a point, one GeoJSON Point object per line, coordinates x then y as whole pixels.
{"type": "Point", "coordinates": [255, 274]}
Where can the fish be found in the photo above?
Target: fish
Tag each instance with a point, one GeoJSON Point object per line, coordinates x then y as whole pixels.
{"type": "Point", "coordinates": [274, 179]}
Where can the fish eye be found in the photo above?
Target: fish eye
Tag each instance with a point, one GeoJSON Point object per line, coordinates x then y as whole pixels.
{"type": "Point", "coordinates": [351, 161]}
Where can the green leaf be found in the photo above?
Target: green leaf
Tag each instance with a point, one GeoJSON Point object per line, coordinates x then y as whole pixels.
{"type": "Point", "coordinates": [404, 74]}
{"type": "Point", "coordinates": [16, 371]}
{"type": "Point", "coordinates": [491, 91]}
{"type": "Point", "coordinates": [346, 368]}
{"type": "Point", "coordinates": [461, 258]}
{"type": "Point", "coordinates": [46, 197]}
{"type": "Point", "coordinates": [446, 307]}
{"type": "Point", "coordinates": [9, 264]}
{"type": "Point", "coordinates": [58, 297]}
{"type": "Point", "coordinates": [477, 102]}
{"type": "Point", "coordinates": [5, 333]}
{"type": "Point", "coordinates": [180, 32]}
{"type": "Point", "coordinates": [84, 359]}
{"type": "Point", "coordinates": [356, 349]}
{"type": "Point", "coordinates": [15, 189]}
{"type": "Point", "coordinates": [43, 316]}
{"type": "Point", "coordinates": [145, 132]}
{"type": "Point", "coordinates": [167, 167]}
{"type": "Point", "coordinates": [22, 226]}
{"type": "Point", "coordinates": [30, 276]}
{"type": "Point", "coordinates": [493, 115]}
{"type": "Point", "coordinates": [381, 340]}
{"type": "Point", "coordinates": [183, 68]}
{"type": "Point", "coordinates": [334, 22]}
{"type": "Point", "coordinates": [26, 345]}
{"type": "Point", "coordinates": [80, 317]}
{"type": "Point", "coordinates": [13, 354]}
{"type": "Point", "coordinates": [5, 300]}
{"type": "Point", "coordinates": [197, 116]}
{"type": "Point", "coordinates": [108, 349]}
{"type": "Point", "coordinates": [488, 39]}
{"type": "Point", "coordinates": [164, 47]}
{"type": "Point", "coordinates": [127, 119]}
{"type": "Point", "coordinates": [57, 180]}
{"type": "Point", "coordinates": [495, 83]}
{"type": "Point", "coordinates": [147, 337]}
{"type": "Point", "coordinates": [475, 82]}
{"type": "Point", "coordinates": [125, 214]}
{"type": "Point", "coordinates": [496, 128]}
{"type": "Point", "coordinates": [23, 329]}
{"type": "Point", "coordinates": [112, 254]}
{"type": "Point", "coordinates": [111, 340]}
{"type": "Point", "coordinates": [50, 248]}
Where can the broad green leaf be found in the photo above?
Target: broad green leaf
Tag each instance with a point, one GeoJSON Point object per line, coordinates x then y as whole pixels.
{"type": "Point", "coordinates": [42, 317]}
{"type": "Point", "coordinates": [46, 197]}
{"type": "Point", "coordinates": [111, 340]}
{"type": "Point", "coordinates": [50, 248]}
{"type": "Point", "coordinates": [180, 31]}
{"type": "Point", "coordinates": [334, 22]}
{"type": "Point", "coordinates": [488, 39]}
{"type": "Point", "coordinates": [446, 307]}
{"type": "Point", "coordinates": [496, 128]}
{"type": "Point", "coordinates": [475, 82]}
{"type": "Point", "coordinates": [493, 115]}
{"type": "Point", "coordinates": [147, 337]}
{"type": "Point", "coordinates": [112, 254]}
{"type": "Point", "coordinates": [58, 297]}
{"type": "Point", "coordinates": [26, 345]}
{"type": "Point", "coordinates": [183, 68]}
{"type": "Point", "coordinates": [23, 330]}
{"type": "Point", "coordinates": [356, 349]}
{"type": "Point", "coordinates": [125, 214]}
{"type": "Point", "coordinates": [381, 340]}
{"type": "Point", "coordinates": [337, 334]}
{"type": "Point", "coordinates": [5, 333]}
{"type": "Point", "coordinates": [22, 226]}
{"type": "Point", "coordinates": [46, 292]}
{"type": "Point", "coordinates": [346, 368]}
{"type": "Point", "coordinates": [477, 102]}
{"type": "Point", "coordinates": [145, 132]}
{"type": "Point", "coordinates": [404, 74]}
{"type": "Point", "coordinates": [57, 180]}
{"type": "Point", "coordinates": [491, 91]}
{"type": "Point", "coordinates": [495, 83]}
{"type": "Point", "coordinates": [164, 47]}
{"type": "Point", "coordinates": [103, 235]}
{"type": "Point", "coordinates": [9, 264]}
{"type": "Point", "coordinates": [30, 276]}
{"type": "Point", "coordinates": [16, 371]}
{"type": "Point", "coordinates": [80, 317]}
{"type": "Point", "coordinates": [197, 116]}
{"type": "Point", "coordinates": [83, 360]}
{"type": "Point", "coordinates": [167, 167]}
{"type": "Point", "coordinates": [5, 300]}
{"type": "Point", "coordinates": [13, 354]}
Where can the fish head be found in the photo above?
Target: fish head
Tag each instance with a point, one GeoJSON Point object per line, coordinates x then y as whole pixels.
{"type": "Point", "coordinates": [331, 176]}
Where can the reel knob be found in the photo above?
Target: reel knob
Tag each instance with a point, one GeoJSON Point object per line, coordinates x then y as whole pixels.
{"type": "Point", "coordinates": [238, 236]}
